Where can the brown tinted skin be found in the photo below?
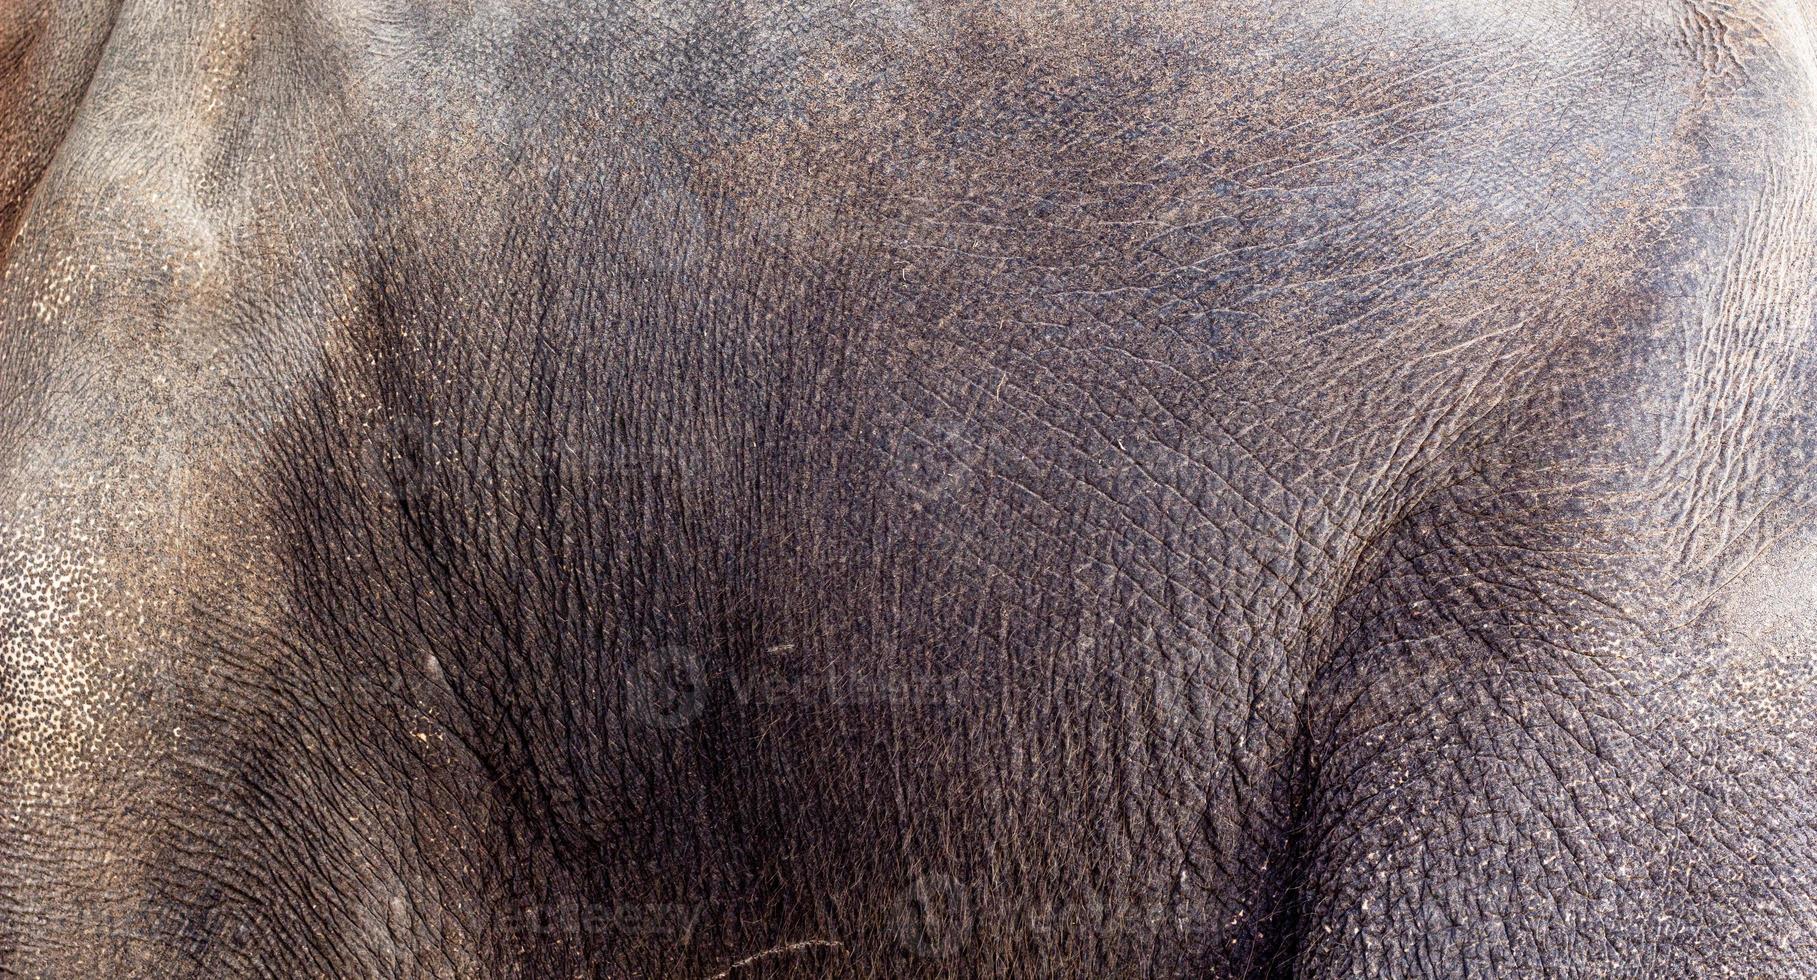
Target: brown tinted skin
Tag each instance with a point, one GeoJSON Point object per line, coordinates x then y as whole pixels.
{"type": "Point", "coordinates": [47, 55]}
{"type": "Point", "coordinates": [1011, 490]}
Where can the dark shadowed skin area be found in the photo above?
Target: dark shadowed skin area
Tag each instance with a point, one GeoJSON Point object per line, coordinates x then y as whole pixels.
{"type": "Point", "coordinates": [1157, 489]}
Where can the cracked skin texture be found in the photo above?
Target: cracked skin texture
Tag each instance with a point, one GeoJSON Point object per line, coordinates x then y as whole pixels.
{"type": "Point", "coordinates": [1161, 489]}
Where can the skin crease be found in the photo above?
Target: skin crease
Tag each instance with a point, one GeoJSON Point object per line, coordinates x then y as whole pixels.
{"type": "Point", "coordinates": [954, 489]}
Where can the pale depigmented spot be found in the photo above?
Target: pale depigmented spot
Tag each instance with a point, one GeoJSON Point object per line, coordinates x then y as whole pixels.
{"type": "Point", "coordinates": [59, 287]}
{"type": "Point", "coordinates": [227, 51]}
{"type": "Point", "coordinates": [1773, 598]}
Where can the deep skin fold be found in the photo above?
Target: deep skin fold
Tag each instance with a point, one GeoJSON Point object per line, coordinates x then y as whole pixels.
{"type": "Point", "coordinates": [912, 491]}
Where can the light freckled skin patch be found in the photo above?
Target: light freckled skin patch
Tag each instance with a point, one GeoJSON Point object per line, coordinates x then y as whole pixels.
{"type": "Point", "coordinates": [52, 633]}
{"type": "Point", "coordinates": [1773, 601]}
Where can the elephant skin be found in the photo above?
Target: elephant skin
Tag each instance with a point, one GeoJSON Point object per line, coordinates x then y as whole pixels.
{"type": "Point", "coordinates": [885, 488]}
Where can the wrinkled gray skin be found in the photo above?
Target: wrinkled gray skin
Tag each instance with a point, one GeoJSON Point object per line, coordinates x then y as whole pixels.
{"type": "Point", "coordinates": [520, 489]}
